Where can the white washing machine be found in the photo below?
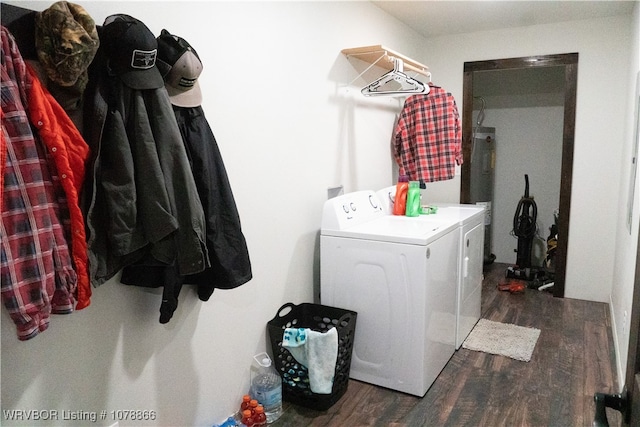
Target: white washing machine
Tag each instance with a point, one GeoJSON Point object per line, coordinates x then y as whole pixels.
{"type": "Point", "coordinates": [400, 276]}
{"type": "Point", "coordinates": [470, 219]}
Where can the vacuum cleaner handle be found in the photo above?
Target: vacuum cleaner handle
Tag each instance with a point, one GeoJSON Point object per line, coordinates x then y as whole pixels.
{"type": "Point", "coordinates": [526, 186]}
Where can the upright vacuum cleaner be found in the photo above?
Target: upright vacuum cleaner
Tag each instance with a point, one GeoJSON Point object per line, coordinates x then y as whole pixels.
{"type": "Point", "coordinates": [524, 228]}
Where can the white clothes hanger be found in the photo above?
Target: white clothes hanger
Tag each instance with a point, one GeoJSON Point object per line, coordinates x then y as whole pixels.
{"type": "Point", "coordinates": [408, 85]}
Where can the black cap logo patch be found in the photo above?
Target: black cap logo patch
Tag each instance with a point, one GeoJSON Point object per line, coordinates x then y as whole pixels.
{"type": "Point", "coordinates": [143, 59]}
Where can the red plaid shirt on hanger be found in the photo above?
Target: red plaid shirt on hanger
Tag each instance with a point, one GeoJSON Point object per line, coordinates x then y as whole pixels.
{"type": "Point", "coordinates": [428, 136]}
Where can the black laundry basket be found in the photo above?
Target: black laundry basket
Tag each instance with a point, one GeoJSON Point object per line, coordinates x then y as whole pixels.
{"type": "Point", "coordinates": [295, 377]}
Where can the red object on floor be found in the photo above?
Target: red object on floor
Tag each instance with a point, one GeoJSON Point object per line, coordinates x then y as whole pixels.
{"type": "Point", "coordinates": [512, 287]}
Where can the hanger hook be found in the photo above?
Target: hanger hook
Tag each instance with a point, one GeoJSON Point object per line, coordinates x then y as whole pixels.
{"type": "Point", "coordinates": [398, 65]}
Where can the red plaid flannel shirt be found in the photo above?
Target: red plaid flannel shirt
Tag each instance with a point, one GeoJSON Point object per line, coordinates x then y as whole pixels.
{"type": "Point", "coordinates": [36, 271]}
{"type": "Point", "coordinates": [428, 137]}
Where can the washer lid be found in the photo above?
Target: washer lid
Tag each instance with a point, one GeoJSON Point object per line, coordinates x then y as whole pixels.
{"type": "Point", "coordinates": [463, 214]}
{"type": "Point", "coordinates": [396, 229]}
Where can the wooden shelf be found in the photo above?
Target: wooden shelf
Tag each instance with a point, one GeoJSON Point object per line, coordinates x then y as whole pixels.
{"type": "Point", "coordinates": [382, 57]}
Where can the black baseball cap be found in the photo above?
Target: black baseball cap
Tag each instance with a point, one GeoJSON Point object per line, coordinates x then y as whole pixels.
{"type": "Point", "coordinates": [131, 50]}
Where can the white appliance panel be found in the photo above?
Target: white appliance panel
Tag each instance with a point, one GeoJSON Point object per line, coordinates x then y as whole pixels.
{"type": "Point", "coordinates": [470, 289]}
{"type": "Point", "coordinates": [348, 210]}
{"type": "Point", "coordinates": [372, 279]}
{"type": "Point", "coordinates": [440, 313]}
{"type": "Point", "coordinates": [405, 297]}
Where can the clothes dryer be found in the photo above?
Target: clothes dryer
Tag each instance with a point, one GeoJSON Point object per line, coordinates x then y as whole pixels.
{"type": "Point", "coordinates": [471, 232]}
{"type": "Point", "coordinates": [400, 276]}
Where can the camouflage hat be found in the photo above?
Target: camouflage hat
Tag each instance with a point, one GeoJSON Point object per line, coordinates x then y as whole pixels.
{"type": "Point", "coordinates": [66, 41]}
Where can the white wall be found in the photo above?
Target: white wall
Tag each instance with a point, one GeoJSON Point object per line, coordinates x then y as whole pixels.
{"type": "Point", "coordinates": [603, 46]}
{"type": "Point", "coordinates": [626, 241]}
{"type": "Point", "coordinates": [272, 82]}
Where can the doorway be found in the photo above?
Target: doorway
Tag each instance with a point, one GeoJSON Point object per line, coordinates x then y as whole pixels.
{"type": "Point", "coordinates": [570, 64]}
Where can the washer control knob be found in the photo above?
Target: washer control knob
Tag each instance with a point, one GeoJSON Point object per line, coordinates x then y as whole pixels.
{"type": "Point", "coordinates": [373, 201]}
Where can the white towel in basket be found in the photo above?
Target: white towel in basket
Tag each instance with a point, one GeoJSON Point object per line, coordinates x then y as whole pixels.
{"type": "Point", "coordinates": [318, 351]}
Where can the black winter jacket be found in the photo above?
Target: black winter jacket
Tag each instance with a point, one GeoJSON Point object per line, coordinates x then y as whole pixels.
{"type": "Point", "coordinates": [228, 254]}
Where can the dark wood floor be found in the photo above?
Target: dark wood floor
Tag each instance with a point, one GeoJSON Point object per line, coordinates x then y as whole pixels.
{"type": "Point", "coordinates": [573, 359]}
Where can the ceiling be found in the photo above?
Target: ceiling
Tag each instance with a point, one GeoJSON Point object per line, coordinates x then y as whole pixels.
{"type": "Point", "coordinates": [433, 18]}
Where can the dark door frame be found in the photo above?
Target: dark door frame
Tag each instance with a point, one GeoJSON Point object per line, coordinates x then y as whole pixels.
{"type": "Point", "coordinates": [570, 63]}
{"type": "Point", "coordinates": [632, 376]}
